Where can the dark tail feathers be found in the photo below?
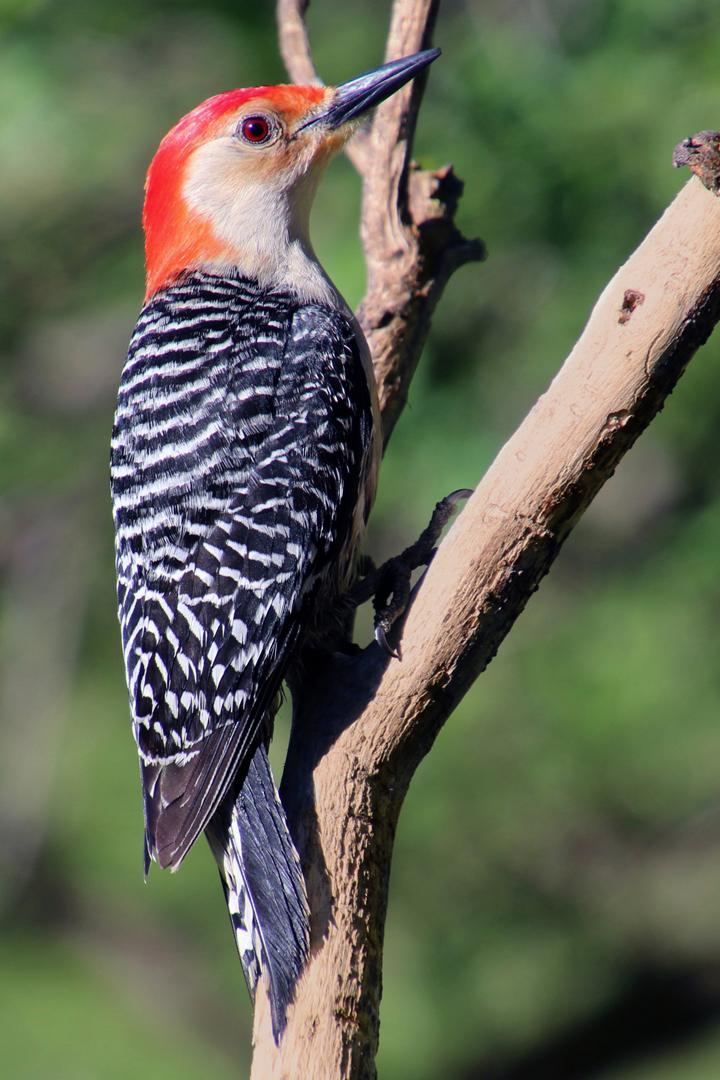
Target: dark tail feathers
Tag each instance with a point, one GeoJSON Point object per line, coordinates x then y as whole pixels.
{"type": "Point", "coordinates": [263, 884]}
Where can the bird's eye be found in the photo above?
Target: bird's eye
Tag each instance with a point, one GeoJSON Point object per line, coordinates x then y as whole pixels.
{"type": "Point", "coordinates": [256, 129]}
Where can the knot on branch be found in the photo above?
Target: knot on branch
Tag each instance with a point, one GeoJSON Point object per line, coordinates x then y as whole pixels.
{"type": "Point", "coordinates": [701, 154]}
{"type": "Point", "coordinates": [631, 299]}
{"type": "Point", "coordinates": [433, 198]}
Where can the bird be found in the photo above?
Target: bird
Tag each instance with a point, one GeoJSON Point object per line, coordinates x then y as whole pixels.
{"type": "Point", "coordinates": [244, 459]}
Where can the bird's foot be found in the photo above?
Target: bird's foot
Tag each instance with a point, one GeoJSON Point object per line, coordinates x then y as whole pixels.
{"type": "Point", "coordinates": [389, 585]}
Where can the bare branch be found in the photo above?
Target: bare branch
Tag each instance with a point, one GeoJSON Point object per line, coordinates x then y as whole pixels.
{"type": "Point", "coordinates": [297, 57]}
{"type": "Point", "coordinates": [364, 722]}
{"type": "Point", "coordinates": [410, 240]}
{"type": "Point", "coordinates": [657, 310]}
{"type": "Point", "coordinates": [294, 41]}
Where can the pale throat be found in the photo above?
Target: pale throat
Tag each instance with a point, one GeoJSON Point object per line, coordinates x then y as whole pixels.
{"type": "Point", "coordinates": [262, 228]}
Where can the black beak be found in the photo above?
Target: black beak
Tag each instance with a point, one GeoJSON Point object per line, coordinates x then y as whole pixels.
{"type": "Point", "coordinates": [357, 96]}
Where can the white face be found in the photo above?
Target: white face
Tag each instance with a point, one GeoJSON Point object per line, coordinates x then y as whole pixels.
{"type": "Point", "coordinates": [255, 183]}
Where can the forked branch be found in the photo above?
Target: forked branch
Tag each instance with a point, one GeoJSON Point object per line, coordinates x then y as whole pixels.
{"type": "Point", "coordinates": [363, 722]}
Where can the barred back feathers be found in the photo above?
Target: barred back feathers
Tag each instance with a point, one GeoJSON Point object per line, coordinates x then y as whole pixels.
{"type": "Point", "coordinates": [241, 461]}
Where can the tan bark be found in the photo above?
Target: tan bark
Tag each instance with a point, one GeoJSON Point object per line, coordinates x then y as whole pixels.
{"type": "Point", "coordinates": [362, 723]}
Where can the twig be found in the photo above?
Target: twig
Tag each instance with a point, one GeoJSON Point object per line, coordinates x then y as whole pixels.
{"type": "Point", "coordinates": [294, 41]}
{"type": "Point", "coordinates": [297, 58]}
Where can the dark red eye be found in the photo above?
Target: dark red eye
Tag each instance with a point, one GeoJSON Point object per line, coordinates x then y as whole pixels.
{"type": "Point", "coordinates": [255, 129]}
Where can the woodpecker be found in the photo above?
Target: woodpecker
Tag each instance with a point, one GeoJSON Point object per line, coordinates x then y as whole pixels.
{"type": "Point", "coordinates": [243, 466]}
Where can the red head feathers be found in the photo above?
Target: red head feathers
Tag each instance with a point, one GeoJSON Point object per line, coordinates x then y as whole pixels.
{"type": "Point", "coordinates": [232, 184]}
{"type": "Point", "coordinates": [179, 235]}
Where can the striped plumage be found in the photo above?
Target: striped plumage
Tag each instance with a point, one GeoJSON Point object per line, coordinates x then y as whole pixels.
{"type": "Point", "coordinates": [244, 458]}
{"type": "Point", "coordinates": [241, 456]}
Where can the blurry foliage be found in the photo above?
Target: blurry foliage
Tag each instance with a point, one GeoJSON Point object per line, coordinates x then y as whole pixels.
{"type": "Point", "coordinates": [562, 837]}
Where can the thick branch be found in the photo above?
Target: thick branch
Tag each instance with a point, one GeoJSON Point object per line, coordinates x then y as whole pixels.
{"type": "Point", "coordinates": [653, 315]}
{"type": "Point", "coordinates": [363, 723]}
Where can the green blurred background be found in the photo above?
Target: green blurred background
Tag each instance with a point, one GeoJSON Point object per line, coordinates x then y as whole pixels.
{"type": "Point", "coordinates": [554, 904]}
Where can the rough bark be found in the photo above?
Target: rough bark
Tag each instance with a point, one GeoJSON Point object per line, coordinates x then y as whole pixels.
{"type": "Point", "coordinates": [363, 722]}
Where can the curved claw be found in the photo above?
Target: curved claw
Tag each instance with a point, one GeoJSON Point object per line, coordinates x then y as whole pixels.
{"type": "Point", "coordinates": [461, 493]}
{"type": "Point", "coordinates": [450, 501]}
{"type": "Point", "coordinates": [381, 638]}
{"type": "Point", "coordinates": [440, 517]}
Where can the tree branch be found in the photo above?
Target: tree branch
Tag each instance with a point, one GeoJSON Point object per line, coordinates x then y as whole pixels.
{"type": "Point", "coordinates": [294, 41]}
{"type": "Point", "coordinates": [297, 58]}
{"type": "Point", "coordinates": [410, 240]}
{"type": "Point", "coordinates": [363, 722]}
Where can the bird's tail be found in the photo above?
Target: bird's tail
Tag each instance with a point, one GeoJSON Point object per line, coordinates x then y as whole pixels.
{"type": "Point", "coordinates": [264, 886]}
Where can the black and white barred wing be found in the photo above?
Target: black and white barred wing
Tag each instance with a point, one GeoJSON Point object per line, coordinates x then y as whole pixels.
{"type": "Point", "coordinates": [213, 585]}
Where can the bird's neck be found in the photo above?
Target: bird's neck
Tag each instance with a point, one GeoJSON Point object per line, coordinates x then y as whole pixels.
{"type": "Point", "coordinates": [261, 232]}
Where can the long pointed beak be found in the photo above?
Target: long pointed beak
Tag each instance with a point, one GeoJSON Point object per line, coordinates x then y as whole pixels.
{"type": "Point", "coordinates": [357, 96]}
